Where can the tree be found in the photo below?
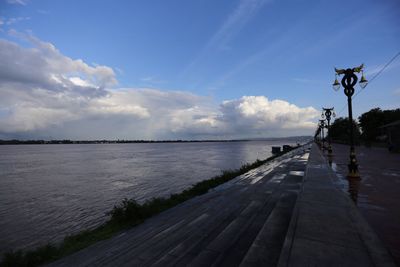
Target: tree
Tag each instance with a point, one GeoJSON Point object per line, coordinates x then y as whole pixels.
{"type": "Point", "coordinates": [340, 131]}
{"type": "Point", "coordinates": [391, 115]}
{"type": "Point", "coordinates": [371, 121]}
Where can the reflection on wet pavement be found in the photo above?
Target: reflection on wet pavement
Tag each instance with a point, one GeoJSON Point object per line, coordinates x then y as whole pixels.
{"type": "Point", "coordinates": [296, 173]}
{"type": "Point", "coordinates": [376, 193]}
{"type": "Point", "coordinates": [354, 187]}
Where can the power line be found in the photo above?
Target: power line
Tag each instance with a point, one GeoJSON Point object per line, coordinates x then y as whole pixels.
{"type": "Point", "coordinates": [373, 78]}
{"type": "Point", "coordinates": [379, 72]}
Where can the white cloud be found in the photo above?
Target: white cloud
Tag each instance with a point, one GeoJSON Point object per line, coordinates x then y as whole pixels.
{"type": "Point", "coordinates": [245, 10]}
{"type": "Point", "coordinates": [44, 93]}
{"type": "Point", "coordinates": [231, 26]}
{"type": "Point", "coordinates": [152, 80]}
{"type": "Point", "coordinates": [17, 2]}
{"type": "Point", "coordinates": [11, 21]}
{"type": "Point", "coordinates": [42, 62]}
{"type": "Point", "coordinates": [77, 81]}
{"type": "Point", "coordinates": [259, 113]}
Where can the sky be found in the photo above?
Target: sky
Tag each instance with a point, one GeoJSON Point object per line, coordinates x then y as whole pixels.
{"type": "Point", "coordinates": [200, 69]}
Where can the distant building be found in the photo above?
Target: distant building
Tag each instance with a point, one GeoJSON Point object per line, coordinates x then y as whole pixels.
{"type": "Point", "coordinates": [392, 132]}
{"type": "Point", "coordinates": [286, 148]}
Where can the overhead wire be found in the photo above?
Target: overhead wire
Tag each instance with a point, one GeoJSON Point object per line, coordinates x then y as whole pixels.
{"type": "Point", "coordinates": [379, 72]}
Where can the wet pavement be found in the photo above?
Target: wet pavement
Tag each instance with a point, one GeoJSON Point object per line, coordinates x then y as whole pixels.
{"type": "Point", "coordinates": [377, 193]}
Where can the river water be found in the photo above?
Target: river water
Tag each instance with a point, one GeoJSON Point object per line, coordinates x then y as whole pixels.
{"type": "Point", "coordinates": [50, 191]}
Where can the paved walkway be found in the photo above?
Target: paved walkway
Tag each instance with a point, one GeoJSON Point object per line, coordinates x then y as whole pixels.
{"type": "Point", "coordinates": [327, 229]}
{"type": "Point", "coordinates": [377, 192]}
{"type": "Point", "coordinates": [270, 216]}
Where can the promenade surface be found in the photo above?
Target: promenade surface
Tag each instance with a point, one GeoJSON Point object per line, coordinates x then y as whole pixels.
{"type": "Point", "coordinates": [377, 192]}
{"type": "Point", "coordinates": [271, 216]}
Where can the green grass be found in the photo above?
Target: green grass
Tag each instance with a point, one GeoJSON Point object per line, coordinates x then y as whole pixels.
{"type": "Point", "coordinates": [123, 216]}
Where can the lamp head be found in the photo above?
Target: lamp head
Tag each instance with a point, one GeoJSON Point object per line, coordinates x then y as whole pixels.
{"type": "Point", "coordinates": [336, 84]}
{"type": "Point", "coordinates": [363, 82]}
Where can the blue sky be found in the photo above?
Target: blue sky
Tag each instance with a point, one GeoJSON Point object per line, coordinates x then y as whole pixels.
{"type": "Point", "coordinates": [216, 50]}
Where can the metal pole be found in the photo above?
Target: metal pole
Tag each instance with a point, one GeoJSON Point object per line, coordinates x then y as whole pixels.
{"type": "Point", "coordinates": [329, 137]}
{"type": "Point", "coordinates": [353, 166]}
{"type": "Point", "coordinates": [323, 137]}
{"type": "Point", "coordinates": [348, 82]}
{"type": "Point", "coordinates": [328, 113]}
{"type": "Point", "coordinates": [322, 125]}
{"type": "Point", "coordinates": [351, 123]}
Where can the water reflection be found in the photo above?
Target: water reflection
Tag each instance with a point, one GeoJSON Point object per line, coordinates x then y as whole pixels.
{"type": "Point", "coordinates": [353, 188]}
{"type": "Point", "coordinates": [330, 157]}
{"type": "Point", "coordinates": [377, 193]}
{"type": "Point", "coordinates": [351, 185]}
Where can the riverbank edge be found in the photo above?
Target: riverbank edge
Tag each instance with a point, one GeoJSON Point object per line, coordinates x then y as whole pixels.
{"type": "Point", "coordinates": [124, 216]}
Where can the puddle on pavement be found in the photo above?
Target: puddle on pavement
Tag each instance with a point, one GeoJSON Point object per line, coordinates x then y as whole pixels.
{"type": "Point", "coordinates": [305, 157]}
{"type": "Point", "coordinates": [391, 174]}
{"type": "Point", "coordinates": [277, 178]}
{"type": "Point", "coordinates": [334, 166]}
{"type": "Point", "coordinates": [296, 173]}
{"type": "Point", "coordinates": [376, 192]}
{"type": "Point", "coordinates": [351, 186]}
{"type": "Point", "coordinates": [318, 166]}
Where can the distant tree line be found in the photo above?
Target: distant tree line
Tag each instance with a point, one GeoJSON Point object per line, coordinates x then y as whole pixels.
{"type": "Point", "coordinates": [368, 128]}
{"type": "Point", "coordinates": [340, 131]}
{"type": "Point", "coordinates": [67, 141]}
{"type": "Point", "coordinates": [298, 139]}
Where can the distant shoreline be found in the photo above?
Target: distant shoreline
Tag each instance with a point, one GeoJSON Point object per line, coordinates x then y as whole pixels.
{"type": "Point", "coordinates": [299, 139]}
{"type": "Point", "coordinates": [56, 142]}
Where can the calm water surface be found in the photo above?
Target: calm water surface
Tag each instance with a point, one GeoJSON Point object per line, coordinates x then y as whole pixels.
{"type": "Point", "coordinates": [50, 191]}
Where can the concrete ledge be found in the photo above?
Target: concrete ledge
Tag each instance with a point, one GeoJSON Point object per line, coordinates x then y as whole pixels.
{"type": "Point", "coordinates": [326, 228]}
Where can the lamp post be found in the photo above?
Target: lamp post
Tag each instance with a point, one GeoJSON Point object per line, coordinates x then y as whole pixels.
{"type": "Point", "coordinates": [327, 113]}
{"type": "Point", "coordinates": [322, 126]}
{"type": "Point", "coordinates": [316, 135]}
{"type": "Point", "coordinates": [348, 81]}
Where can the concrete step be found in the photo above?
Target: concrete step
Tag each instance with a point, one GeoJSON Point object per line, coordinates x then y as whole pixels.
{"type": "Point", "coordinates": [266, 248]}
{"type": "Point", "coordinates": [216, 229]}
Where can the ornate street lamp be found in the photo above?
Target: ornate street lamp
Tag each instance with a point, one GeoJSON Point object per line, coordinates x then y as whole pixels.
{"type": "Point", "coordinates": [327, 113]}
{"type": "Point", "coordinates": [348, 81]}
{"type": "Point", "coordinates": [317, 135]}
{"type": "Point", "coordinates": [322, 126]}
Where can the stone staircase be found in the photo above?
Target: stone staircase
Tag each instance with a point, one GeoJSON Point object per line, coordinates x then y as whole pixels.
{"type": "Point", "coordinates": [257, 219]}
